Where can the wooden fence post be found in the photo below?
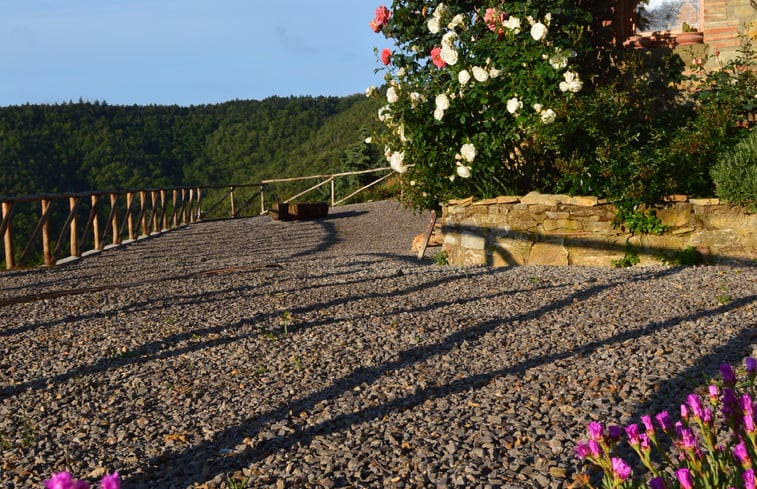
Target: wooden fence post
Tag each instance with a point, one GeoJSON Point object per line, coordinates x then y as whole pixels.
{"type": "Point", "coordinates": [46, 252]}
{"type": "Point", "coordinates": [163, 214]}
{"type": "Point", "coordinates": [231, 199]}
{"type": "Point", "coordinates": [95, 223]}
{"type": "Point", "coordinates": [129, 216]}
{"type": "Point", "coordinates": [114, 219]}
{"type": "Point", "coordinates": [8, 234]}
{"type": "Point", "coordinates": [72, 230]}
{"type": "Point", "coordinates": [142, 213]}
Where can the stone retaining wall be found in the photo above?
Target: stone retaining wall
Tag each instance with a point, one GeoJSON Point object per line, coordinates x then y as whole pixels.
{"type": "Point", "coordinates": [539, 229]}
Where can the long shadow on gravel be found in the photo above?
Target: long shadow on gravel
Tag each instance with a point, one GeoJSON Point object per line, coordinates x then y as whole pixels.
{"type": "Point", "coordinates": [170, 465]}
{"type": "Point", "coordinates": [167, 347]}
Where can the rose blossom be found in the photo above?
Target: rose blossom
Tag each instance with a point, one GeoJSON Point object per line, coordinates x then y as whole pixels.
{"type": "Point", "coordinates": [386, 56]}
{"type": "Point", "coordinates": [548, 116]}
{"type": "Point", "coordinates": [468, 151]}
{"type": "Point", "coordinates": [463, 171]}
{"type": "Point", "coordinates": [436, 57]}
{"type": "Point", "coordinates": [480, 74]}
{"type": "Point", "coordinates": [513, 105]}
{"type": "Point", "coordinates": [449, 54]}
{"type": "Point", "coordinates": [463, 77]}
{"type": "Point", "coordinates": [513, 23]}
{"type": "Point", "coordinates": [391, 95]}
{"type": "Point", "coordinates": [538, 31]}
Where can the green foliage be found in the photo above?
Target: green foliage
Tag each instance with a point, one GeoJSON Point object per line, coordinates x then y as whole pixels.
{"type": "Point", "coordinates": [639, 221]}
{"type": "Point", "coordinates": [689, 256]}
{"type": "Point", "coordinates": [735, 173]}
{"type": "Point", "coordinates": [440, 258]}
{"type": "Point", "coordinates": [93, 146]}
{"type": "Point", "coordinates": [630, 259]}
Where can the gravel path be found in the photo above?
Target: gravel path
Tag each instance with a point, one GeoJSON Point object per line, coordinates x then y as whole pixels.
{"type": "Point", "coordinates": [322, 354]}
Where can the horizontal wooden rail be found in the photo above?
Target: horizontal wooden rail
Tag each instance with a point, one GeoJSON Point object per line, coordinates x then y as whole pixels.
{"type": "Point", "coordinates": [96, 220]}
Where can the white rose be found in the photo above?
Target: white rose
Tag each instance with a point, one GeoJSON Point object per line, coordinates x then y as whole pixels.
{"type": "Point", "coordinates": [463, 77]}
{"type": "Point", "coordinates": [514, 105]}
{"type": "Point", "coordinates": [538, 31]}
{"type": "Point", "coordinates": [368, 140]}
{"type": "Point", "coordinates": [442, 102]}
{"type": "Point", "coordinates": [433, 25]}
{"type": "Point", "coordinates": [438, 114]}
{"type": "Point", "coordinates": [480, 74]}
{"type": "Point", "coordinates": [449, 39]}
{"type": "Point", "coordinates": [401, 72]}
{"type": "Point", "coordinates": [449, 55]}
{"type": "Point", "coordinates": [391, 95]}
{"type": "Point", "coordinates": [494, 73]}
{"type": "Point", "coordinates": [572, 83]}
{"type": "Point", "coordinates": [513, 23]}
{"type": "Point", "coordinates": [457, 21]}
{"type": "Point", "coordinates": [463, 171]}
{"type": "Point", "coordinates": [371, 91]}
{"type": "Point", "coordinates": [468, 152]}
{"type": "Point", "coordinates": [537, 108]}
{"type": "Point", "coordinates": [548, 116]}
{"type": "Point", "coordinates": [397, 162]}
{"type": "Point", "coordinates": [384, 113]}
{"type": "Point", "coordinates": [558, 61]}
{"type": "Point", "coordinates": [415, 99]}
{"type": "Point", "coordinates": [548, 18]}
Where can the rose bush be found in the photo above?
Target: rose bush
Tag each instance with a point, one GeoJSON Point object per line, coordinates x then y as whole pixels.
{"type": "Point", "coordinates": [468, 88]}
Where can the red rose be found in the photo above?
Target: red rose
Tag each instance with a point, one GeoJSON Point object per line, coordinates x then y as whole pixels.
{"type": "Point", "coordinates": [386, 56]}
{"type": "Point", "coordinates": [436, 57]}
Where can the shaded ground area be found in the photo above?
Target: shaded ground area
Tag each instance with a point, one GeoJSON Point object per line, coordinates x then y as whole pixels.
{"type": "Point", "coordinates": [322, 354]}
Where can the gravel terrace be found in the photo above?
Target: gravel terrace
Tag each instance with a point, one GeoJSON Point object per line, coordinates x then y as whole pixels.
{"type": "Point", "coordinates": [323, 354]}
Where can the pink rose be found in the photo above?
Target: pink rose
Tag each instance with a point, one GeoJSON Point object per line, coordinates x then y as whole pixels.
{"type": "Point", "coordinates": [375, 27]}
{"type": "Point", "coordinates": [436, 57]}
{"type": "Point", "coordinates": [494, 19]}
{"type": "Point", "coordinates": [383, 15]}
{"type": "Point", "coordinates": [386, 56]}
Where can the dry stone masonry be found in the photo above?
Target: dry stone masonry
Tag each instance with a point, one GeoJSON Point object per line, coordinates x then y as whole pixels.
{"type": "Point", "coordinates": [539, 229]}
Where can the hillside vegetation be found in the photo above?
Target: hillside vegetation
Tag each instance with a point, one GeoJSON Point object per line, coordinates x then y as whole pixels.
{"type": "Point", "coordinates": [85, 146]}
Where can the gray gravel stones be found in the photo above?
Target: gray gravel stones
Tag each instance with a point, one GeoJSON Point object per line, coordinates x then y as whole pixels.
{"type": "Point", "coordinates": [322, 354]}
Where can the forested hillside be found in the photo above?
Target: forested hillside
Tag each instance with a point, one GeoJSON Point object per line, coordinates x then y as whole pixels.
{"type": "Point", "coordinates": [85, 146]}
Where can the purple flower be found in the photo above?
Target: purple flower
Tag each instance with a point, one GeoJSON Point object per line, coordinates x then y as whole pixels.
{"type": "Point", "coordinates": [714, 394]}
{"type": "Point", "coordinates": [63, 480]}
{"type": "Point", "coordinates": [594, 448]}
{"type": "Point", "coordinates": [620, 469]}
{"type": "Point", "coordinates": [645, 442]}
{"type": "Point", "coordinates": [646, 420]}
{"type": "Point", "coordinates": [730, 407]}
{"type": "Point", "coordinates": [596, 430]}
{"type": "Point", "coordinates": [745, 403]}
{"type": "Point", "coordinates": [749, 424]}
{"type": "Point", "coordinates": [695, 403]}
{"type": "Point", "coordinates": [707, 416]}
{"type": "Point", "coordinates": [684, 478]}
{"type": "Point", "coordinates": [684, 412]}
{"type": "Point", "coordinates": [751, 366]}
{"type": "Point", "coordinates": [615, 432]}
{"type": "Point", "coordinates": [739, 451]}
{"type": "Point", "coordinates": [581, 450]}
{"type": "Point", "coordinates": [657, 483]}
{"type": "Point", "coordinates": [748, 476]}
{"type": "Point", "coordinates": [663, 419]}
{"type": "Point", "coordinates": [727, 373]}
{"type": "Point", "coordinates": [632, 430]}
{"type": "Point", "coordinates": [111, 481]}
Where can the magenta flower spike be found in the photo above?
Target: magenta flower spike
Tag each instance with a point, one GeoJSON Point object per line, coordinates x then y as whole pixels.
{"type": "Point", "coordinates": [596, 431]}
{"type": "Point", "coordinates": [695, 404]}
{"type": "Point", "coordinates": [727, 373]}
{"type": "Point", "coordinates": [594, 448]}
{"type": "Point", "coordinates": [111, 481]}
{"type": "Point", "coordinates": [741, 454]}
{"type": "Point", "coordinates": [751, 366]}
{"type": "Point", "coordinates": [684, 478]}
{"type": "Point", "coordinates": [684, 412]}
{"type": "Point", "coordinates": [582, 450]}
{"type": "Point", "coordinates": [645, 443]}
{"type": "Point", "coordinates": [748, 479]}
{"type": "Point", "coordinates": [745, 403]}
{"type": "Point", "coordinates": [615, 432]}
{"type": "Point", "coordinates": [646, 420]}
{"type": "Point", "coordinates": [714, 394]}
{"type": "Point", "coordinates": [663, 419]}
{"type": "Point", "coordinates": [632, 431]}
{"type": "Point", "coordinates": [657, 483]}
{"type": "Point", "coordinates": [621, 470]}
{"type": "Point", "coordinates": [61, 480]}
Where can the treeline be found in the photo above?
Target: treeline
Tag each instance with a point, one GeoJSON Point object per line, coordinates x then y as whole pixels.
{"type": "Point", "coordinates": [92, 145]}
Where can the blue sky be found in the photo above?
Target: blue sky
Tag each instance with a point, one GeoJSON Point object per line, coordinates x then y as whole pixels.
{"type": "Point", "coordinates": [185, 52]}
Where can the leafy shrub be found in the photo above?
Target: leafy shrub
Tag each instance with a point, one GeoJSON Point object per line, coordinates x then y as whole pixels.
{"type": "Point", "coordinates": [735, 173]}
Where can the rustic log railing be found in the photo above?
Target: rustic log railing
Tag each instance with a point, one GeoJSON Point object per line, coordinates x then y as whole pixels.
{"type": "Point", "coordinates": [114, 217]}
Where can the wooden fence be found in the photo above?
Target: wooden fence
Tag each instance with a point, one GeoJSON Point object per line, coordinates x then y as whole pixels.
{"type": "Point", "coordinates": [93, 221]}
